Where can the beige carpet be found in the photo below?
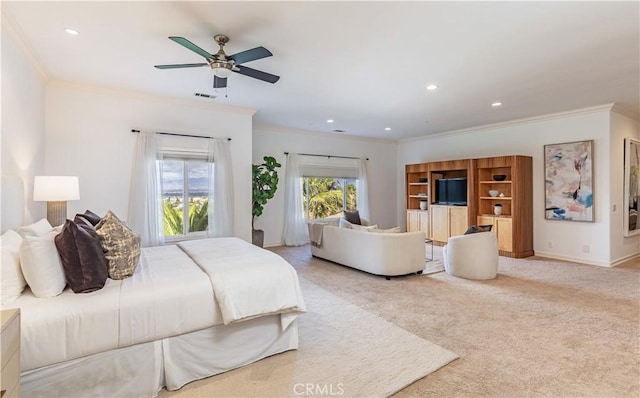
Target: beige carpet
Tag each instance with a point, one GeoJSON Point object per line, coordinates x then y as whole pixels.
{"type": "Point", "coordinates": [344, 351]}
{"type": "Point", "coordinates": [541, 328]}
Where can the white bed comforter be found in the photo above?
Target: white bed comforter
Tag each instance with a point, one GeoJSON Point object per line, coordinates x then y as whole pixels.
{"type": "Point", "coordinates": [240, 282]}
{"type": "Point", "coordinates": [168, 295]}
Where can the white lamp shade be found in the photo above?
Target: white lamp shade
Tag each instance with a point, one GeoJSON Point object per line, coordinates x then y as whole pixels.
{"type": "Point", "coordinates": [55, 188]}
{"type": "Point", "coordinates": [222, 72]}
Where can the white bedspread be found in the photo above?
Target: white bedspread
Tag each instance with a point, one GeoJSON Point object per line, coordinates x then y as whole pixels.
{"type": "Point", "coordinates": [247, 281]}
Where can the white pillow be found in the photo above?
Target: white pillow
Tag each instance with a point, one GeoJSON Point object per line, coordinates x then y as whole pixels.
{"type": "Point", "coordinates": [366, 228]}
{"type": "Point", "coordinates": [36, 229]}
{"type": "Point", "coordinates": [345, 224]}
{"type": "Point", "coordinates": [41, 265]}
{"type": "Point", "coordinates": [13, 282]}
{"type": "Point", "coordinates": [393, 230]}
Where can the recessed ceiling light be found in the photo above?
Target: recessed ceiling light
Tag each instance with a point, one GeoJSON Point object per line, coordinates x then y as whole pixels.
{"type": "Point", "coordinates": [387, 128]}
{"type": "Point", "coordinates": [72, 31]}
{"type": "Point", "coordinates": [432, 86]}
{"type": "Point", "coordinates": [496, 104]}
{"type": "Point", "coordinates": [329, 120]}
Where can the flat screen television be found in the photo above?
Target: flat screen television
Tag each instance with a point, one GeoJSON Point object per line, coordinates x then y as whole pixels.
{"type": "Point", "coordinates": [452, 191]}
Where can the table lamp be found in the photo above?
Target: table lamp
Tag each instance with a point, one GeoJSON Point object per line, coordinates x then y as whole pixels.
{"type": "Point", "coordinates": [56, 191]}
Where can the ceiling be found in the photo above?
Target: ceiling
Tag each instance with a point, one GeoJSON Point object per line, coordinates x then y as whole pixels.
{"type": "Point", "coordinates": [363, 64]}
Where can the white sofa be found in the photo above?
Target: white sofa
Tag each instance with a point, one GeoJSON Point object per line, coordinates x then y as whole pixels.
{"type": "Point", "coordinates": [473, 256]}
{"type": "Point", "coordinates": [379, 253]}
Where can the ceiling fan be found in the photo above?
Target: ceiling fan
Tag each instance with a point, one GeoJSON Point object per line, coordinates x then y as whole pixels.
{"type": "Point", "coordinates": [223, 64]}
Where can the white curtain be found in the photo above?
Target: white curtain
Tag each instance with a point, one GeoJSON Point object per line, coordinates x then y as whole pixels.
{"type": "Point", "coordinates": [363, 190]}
{"type": "Point", "coordinates": [145, 202]}
{"type": "Point", "coordinates": [295, 228]}
{"type": "Point", "coordinates": [221, 184]}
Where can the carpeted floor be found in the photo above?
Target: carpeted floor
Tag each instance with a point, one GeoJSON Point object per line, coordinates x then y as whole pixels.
{"type": "Point", "coordinates": [541, 328]}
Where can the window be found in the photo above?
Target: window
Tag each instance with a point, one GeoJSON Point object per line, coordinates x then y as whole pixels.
{"type": "Point", "coordinates": [185, 195]}
{"type": "Point", "coordinates": [328, 197]}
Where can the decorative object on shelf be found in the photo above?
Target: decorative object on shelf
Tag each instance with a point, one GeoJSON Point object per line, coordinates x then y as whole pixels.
{"type": "Point", "coordinates": [56, 191]}
{"type": "Point", "coordinates": [493, 193]}
{"type": "Point", "coordinates": [423, 179]}
{"type": "Point", "coordinates": [568, 171]}
{"type": "Point", "coordinates": [501, 195]}
{"type": "Point", "coordinates": [497, 209]}
{"type": "Point", "coordinates": [631, 186]}
{"type": "Point", "coordinates": [422, 194]}
{"type": "Point", "coordinates": [499, 177]}
{"type": "Point", "coordinates": [423, 205]}
{"type": "Point", "coordinates": [265, 184]}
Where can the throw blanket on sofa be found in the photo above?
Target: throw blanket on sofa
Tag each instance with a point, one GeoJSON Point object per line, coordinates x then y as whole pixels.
{"type": "Point", "coordinates": [247, 281]}
{"type": "Point", "coordinates": [315, 233]}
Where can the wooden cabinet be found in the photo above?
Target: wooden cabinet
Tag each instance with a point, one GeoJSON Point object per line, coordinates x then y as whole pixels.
{"type": "Point", "coordinates": [502, 227]}
{"type": "Point", "coordinates": [10, 346]}
{"type": "Point", "coordinates": [509, 178]}
{"type": "Point", "coordinates": [418, 220]}
{"type": "Point", "coordinates": [447, 221]}
{"type": "Point", "coordinates": [514, 192]}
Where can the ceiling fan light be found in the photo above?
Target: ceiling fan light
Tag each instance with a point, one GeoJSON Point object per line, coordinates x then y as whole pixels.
{"type": "Point", "coordinates": [222, 72]}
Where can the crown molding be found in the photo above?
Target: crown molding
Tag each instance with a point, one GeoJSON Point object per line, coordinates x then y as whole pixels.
{"type": "Point", "coordinates": [617, 108]}
{"type": "Point", "coordinates": [267, 128]}
{"type": "Point", "coordinates": [11, 28]}
{"type": "Point", "coordinates": [515, 122]}
{"type": "Point", "coordinates": [105, 90]}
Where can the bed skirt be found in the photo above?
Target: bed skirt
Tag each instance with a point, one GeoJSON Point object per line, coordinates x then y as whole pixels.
{"type": "Point", "coordinates": [144, 369]}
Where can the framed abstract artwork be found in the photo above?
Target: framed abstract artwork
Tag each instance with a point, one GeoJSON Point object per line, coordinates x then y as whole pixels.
{"type": "Point", "coordinates": [631, 186]}
{"type": "Point", "coordinates": [568, 174]}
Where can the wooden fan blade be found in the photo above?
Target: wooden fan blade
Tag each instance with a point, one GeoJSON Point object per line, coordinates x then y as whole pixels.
{"type": "Point", "coordinates": [186, 43]}
{"type": "Point", "coordinates": [250, 55]}
{"type": "Point", "coordinates": [179, 66]}
{"type": "Point", "coordinates": [256, 74]}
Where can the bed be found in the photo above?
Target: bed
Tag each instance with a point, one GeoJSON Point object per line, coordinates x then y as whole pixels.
{"type": "Point", "coordinates": [191, 310]}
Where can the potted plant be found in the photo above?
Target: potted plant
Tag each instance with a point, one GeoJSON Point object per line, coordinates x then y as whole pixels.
{"type": "Point", "coordinates": [265, 184]}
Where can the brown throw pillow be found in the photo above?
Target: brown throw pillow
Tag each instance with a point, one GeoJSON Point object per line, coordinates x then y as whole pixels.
{"type": "Point", "coordinates": [83, 261]}
{"type": "Point", "coordinates": [120, 244]}
{"type": "Point", "coordinates": [90, 216]}
{"type": "Point", "coordinates": [478, 228]}
{"type": "Point", "coordinates": [353, 217]}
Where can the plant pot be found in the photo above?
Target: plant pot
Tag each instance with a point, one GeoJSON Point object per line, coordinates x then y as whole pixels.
{"type": "Point", "coordinates": [257, 237]}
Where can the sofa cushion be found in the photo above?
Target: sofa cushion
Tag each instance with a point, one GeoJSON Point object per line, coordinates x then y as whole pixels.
{"type": "Point", "coordinates": [353, 217]}
{"type": "Point", "coordinates": [394, 230]}
{"type": "Point", "coordinates": [365, 228]}
{"type": "Point", "coordinates": [478, 228]}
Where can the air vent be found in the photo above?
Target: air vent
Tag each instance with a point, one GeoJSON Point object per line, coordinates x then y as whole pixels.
{"type": "Point", "coordinates": [338, 131]}
{"type": "Point", "coordinates": [204, 95]}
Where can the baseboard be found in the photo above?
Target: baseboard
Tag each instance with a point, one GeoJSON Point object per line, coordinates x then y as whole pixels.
{"type": "Point", "coordinates": [272, 244]}
{"type": "Point", "coordinates": [573, 259]}
{"type": "Point", "coordinates": [625, 259]}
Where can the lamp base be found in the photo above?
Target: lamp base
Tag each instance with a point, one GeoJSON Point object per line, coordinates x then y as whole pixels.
{"type": "Point", "coordinates": [57, 213]}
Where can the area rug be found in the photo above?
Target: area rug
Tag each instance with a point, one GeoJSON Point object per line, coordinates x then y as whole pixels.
{"type": "Point", "coordinates": [344, 351]}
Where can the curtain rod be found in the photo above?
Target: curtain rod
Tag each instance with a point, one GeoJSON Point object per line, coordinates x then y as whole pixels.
{"type": "Point", "coordinates": [179, 135]}
{"type": "Point", "coordinates": [326, 156]}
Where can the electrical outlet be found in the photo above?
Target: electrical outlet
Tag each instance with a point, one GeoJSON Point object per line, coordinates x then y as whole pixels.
{"type": "Point", "coordinates": [549, 244]}
{"type": "Point", "coordinates": [586, 248]}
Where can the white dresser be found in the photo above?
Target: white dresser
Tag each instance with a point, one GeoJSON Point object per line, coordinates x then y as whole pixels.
{"type": "Point", "coordinates": [10, 346]}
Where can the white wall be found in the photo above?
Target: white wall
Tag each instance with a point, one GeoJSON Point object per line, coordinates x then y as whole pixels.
{"type": "Point", "coordinates": [381, 168]}
{"type": "Point", "coordinates": [23, 123]}
{"type": "Point", "coordinates": [622, 247]}
{"type": "Point", "coordinates": [528, 138]}
{"type": "Point", "coordinates": [88, 134]}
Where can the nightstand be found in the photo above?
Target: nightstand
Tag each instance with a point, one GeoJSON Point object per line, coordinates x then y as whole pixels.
{"type": "Point", "coordinates": [10, 358]}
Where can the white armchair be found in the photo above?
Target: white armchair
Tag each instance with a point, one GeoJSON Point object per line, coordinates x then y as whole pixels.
{"type": "Point", "coordinates": [473, 256]}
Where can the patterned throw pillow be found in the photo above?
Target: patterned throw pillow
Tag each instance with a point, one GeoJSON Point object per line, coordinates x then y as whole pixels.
{"type": "Point", "coordinates": [120, 244]}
